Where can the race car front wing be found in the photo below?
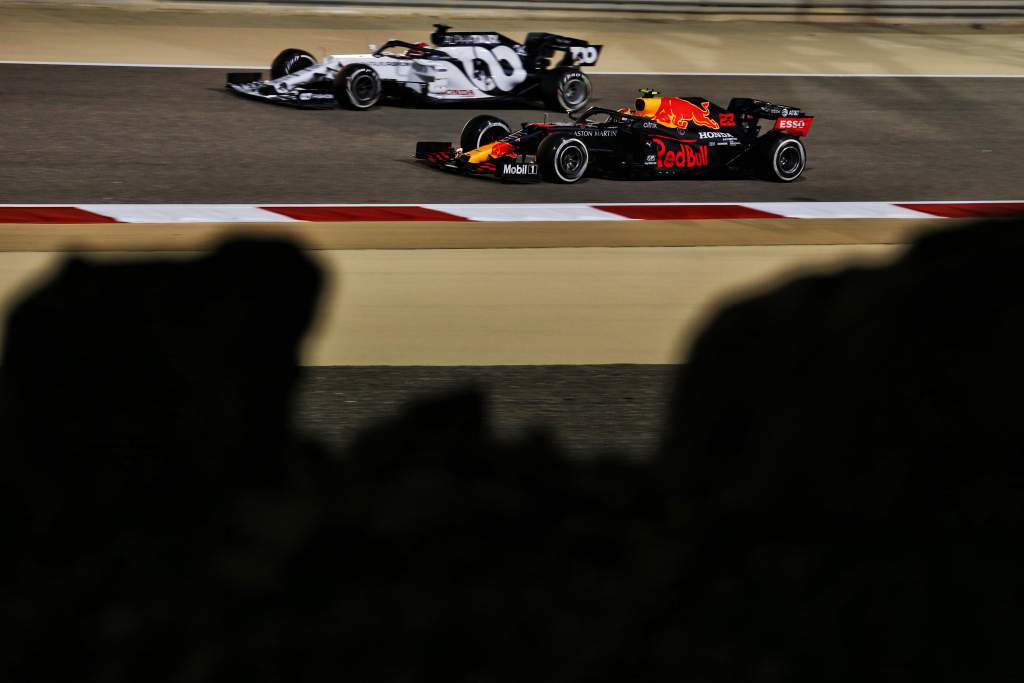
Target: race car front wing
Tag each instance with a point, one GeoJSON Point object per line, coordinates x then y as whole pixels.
{"type": "Point", "coordinates": [445, 156]}
{"type": "Point", "coordinates": [251, 84]}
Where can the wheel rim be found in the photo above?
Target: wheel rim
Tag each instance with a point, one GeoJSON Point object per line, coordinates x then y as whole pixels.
{"type": "Point", "coordinates": [571, 161]}
{"type": "Point", "coordinates": [789, 160]}
{"type": "Point", "coordinates": [363, 88]}
{"type": "Point", "coordinates": [574, 92]}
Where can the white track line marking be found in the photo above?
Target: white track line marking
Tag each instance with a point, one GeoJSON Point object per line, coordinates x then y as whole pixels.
{"type": "Point", "coordinates": [263, 213]}
{"type": "Point", "coordinates": [186, 213]}
{"type": "Point", "coordinates": [1009, 200]}
{"type": "Point", "coordinates": [760, 74]}
{"type": "Point", "coordinates": [837, 209]}
{"type": "Point", "coordinates": [526, 212]}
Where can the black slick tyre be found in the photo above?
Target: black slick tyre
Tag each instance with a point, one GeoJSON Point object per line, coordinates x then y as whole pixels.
{"type": "Point", "coordinates": [482, 130]}
{"type": "Point", "coordinates": [565, 89]}
{"type": "Point", "coordinates": [357, 86]}
{"type": "Point", "coordinates": [290, 61]}
{"type": "Point", "coordinates": [562, 159]}
{"type": "Point", "coordinates": [782, 159]}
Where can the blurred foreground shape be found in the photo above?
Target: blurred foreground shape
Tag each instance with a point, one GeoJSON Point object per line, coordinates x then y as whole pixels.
{"type": "Point", "coordinates": [849, 452]}
{"type": "Point", "coordinates": [837, 496]}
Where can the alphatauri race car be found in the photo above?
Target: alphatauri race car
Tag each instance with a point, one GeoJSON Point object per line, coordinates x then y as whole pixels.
{"type": "Point", "coordinates": [660, 137]}
{"type": "Point", "coordinates": [459, 67]}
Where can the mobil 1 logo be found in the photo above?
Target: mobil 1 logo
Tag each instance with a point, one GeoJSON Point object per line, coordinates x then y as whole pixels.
{"type": "Point", "coordinates": [515, 172]}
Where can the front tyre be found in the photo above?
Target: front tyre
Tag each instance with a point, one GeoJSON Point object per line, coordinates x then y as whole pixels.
{"type": "Point", "coordinates": [565, 89]}
{"type": "Point", "coordinates": [482, 130]}
{"type": "Point", "coordinates": [357, 86]}
{"type": "Point", "coordinates": [783, 160]}
{"type": "Point", "coordinates": [562, 159]}
{"type": "Point", "coordinates": [290, 61]}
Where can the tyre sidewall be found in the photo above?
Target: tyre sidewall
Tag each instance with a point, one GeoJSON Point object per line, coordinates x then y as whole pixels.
{"type": "Point", "coordinates": [479, 127]}
{"type": "Point", "coordinates": [551, 158]}
{"type": "Point", "coordinates": [285, 63]}
{"type": "Point", "coordinates": [554, 83]}
{"type": "Point", "coordinates": [775, 151]}
{"type": "Point", "coordinates": [565, 78]}
{"type": "Point", "coordinates": [348, 80]}
{"type": "Point", "coordinates": [298, 62]}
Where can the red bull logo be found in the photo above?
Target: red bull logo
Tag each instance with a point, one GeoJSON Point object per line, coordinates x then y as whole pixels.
{"type": "Point", "coordinates": [502, 149]}
{"type": "Point", "coordinates": [676, 113]}
{"type": "Point", "coordinates": [492, 150]}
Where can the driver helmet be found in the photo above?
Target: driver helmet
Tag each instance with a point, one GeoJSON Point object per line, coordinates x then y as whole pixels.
{"type": "Point", "coordinates": [416, 51]}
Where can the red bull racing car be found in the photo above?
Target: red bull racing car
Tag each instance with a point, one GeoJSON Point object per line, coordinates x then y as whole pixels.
{"type": "Point", "coordinates": [659, 137]}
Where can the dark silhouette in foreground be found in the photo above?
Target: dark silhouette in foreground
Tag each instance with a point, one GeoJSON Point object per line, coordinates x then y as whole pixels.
{"type": "Point", "coordinates": [849, 452]}
{"type": "Point", "coordinates": [837, 496]}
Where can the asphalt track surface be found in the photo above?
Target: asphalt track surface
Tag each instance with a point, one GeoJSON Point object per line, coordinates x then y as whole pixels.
{"type": "Point", "coordinates": [162, 135]}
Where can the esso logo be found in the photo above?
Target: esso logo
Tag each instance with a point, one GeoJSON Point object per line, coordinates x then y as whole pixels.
{"type": "Point", "coordinates": [795, 126]}
{"type": "Point", "coordinates": [792, 123]}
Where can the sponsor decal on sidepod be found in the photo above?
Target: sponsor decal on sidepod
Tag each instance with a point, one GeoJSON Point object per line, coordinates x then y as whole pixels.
{"type": "Point", "coordinates": [679, 113]}
{"type": "Point", "coordinates": [684, 158]}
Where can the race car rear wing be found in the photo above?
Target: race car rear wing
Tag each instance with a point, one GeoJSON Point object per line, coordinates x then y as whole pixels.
{"type": "Point", "coordinates": [541, 47]}
{"type": "Point", "coordinates": [762, 109]}
{"type": "Point", "coordinates": [789, 120]}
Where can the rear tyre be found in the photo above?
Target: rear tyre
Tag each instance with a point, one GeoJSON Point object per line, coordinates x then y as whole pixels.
{"type": "Point", "coordinates": [783, 160]}
{"type": "Point", "coordinates": [482, 130]}
{"type": "Point", "coordinates": [565, 89]}
{"type": "Point", "coordinates": [562, 159]}
{"type": "Point", "coordinates": [357, 86]}
{"type": "Point", "coordinates": [290, 61]}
